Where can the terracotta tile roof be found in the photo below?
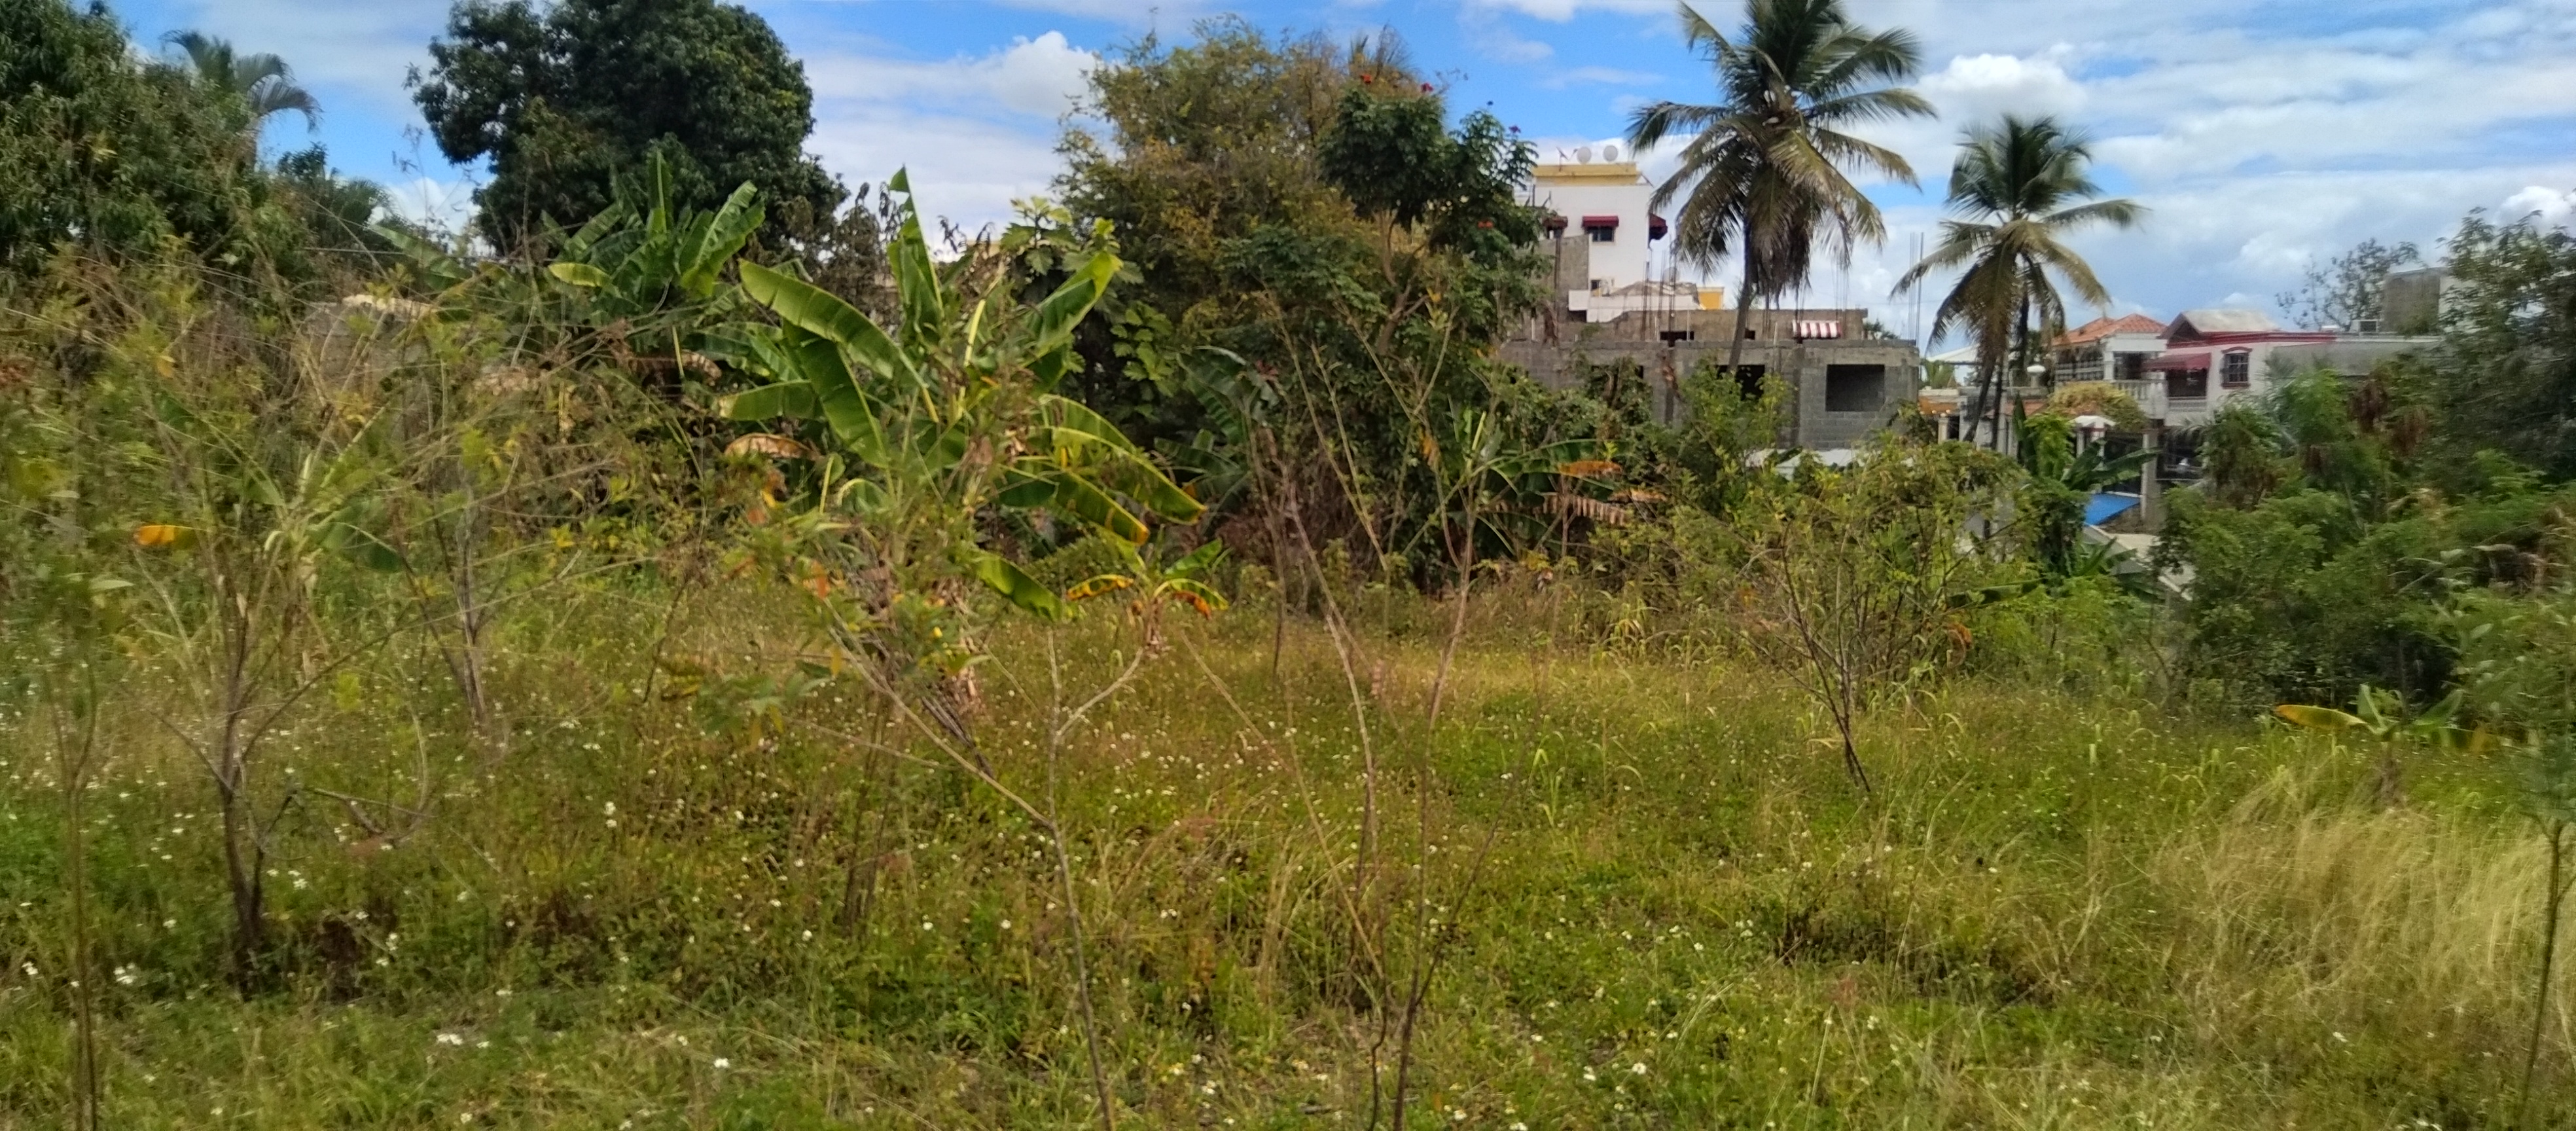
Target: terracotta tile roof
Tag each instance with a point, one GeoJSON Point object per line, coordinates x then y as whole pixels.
{"type": "Point", "coordinates": [2101, 328]}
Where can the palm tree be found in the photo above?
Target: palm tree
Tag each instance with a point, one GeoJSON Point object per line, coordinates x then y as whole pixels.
{"type": "Point", "coordinates": [1764, 165]}
{"type": "Point", "coordinates": [2014, 192]}
{"type": "Point", "coordinates": [263, 82]}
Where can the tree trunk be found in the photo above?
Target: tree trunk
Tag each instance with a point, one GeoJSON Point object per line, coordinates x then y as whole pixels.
{"type": "Point", "coordinates": [1743, 308]}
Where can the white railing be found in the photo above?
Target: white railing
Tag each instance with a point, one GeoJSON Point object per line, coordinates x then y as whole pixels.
{"type": "Point", "coordinates": [2150, 396]}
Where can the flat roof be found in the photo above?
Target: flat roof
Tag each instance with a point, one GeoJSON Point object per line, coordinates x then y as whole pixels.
{"type": "Point", "coordinates": [1595, 172]}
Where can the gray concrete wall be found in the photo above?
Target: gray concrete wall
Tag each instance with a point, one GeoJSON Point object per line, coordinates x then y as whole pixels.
{"type": "Point", "coordinates": [2352, 357]}
{"type": "Point", "coordinates": [1806, 364]}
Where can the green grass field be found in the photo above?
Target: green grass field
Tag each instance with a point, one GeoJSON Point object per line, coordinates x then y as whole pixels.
{"type": "Point", "coordinates": [677, 898]}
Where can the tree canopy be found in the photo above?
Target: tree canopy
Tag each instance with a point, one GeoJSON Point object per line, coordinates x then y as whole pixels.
{"type": "Point", "coordinates": [566, 99]}
{"type": "Point", "coordinates": [97, 145]}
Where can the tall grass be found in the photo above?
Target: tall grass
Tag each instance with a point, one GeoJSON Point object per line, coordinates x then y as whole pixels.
{"type": "Point", "coordinates": [2060, 912]}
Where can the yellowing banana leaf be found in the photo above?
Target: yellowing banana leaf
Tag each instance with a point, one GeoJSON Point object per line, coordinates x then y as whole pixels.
{"type": "Point", "coordinates": [1080, 499]}
{"type": "Point", "coordinates": [1076, 425]}
{"type": "Point", "coordinates": [793, 400]}
{"type": "Point", "coordinates": [163, 535]}
{"type": "Point", "coordinates": [2317, 718]}
{"type": "Point", "coordinates": [1092, 587]}
{"type": "Point", "coordinates": [579, 274]}
{"type": "Point", "coordinates": [1197, 595]}
{"type": "Point", "coordinates": [1011, 582]}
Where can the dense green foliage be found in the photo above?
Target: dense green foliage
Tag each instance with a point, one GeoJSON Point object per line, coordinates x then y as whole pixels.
{"type": "Point", "coordinates": [98, 146]}
{"type": "Point", "coordinates": [1325, 265]}
{"type": "Point", "coordinates": [565, 99]}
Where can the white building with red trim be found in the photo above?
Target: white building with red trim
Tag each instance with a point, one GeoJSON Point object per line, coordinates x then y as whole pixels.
{"type": "Point", "coordinates": [2217, 355]}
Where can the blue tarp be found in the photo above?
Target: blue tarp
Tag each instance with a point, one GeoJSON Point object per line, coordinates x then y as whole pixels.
{"type": "Point", "coordinates": [2105, 506]}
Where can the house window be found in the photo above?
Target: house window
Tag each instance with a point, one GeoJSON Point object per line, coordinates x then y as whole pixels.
{"type": "Point", "coordinates": [2187, 384]}
{"type": "Point", "coordinates": [1602, 235]}
{"type": "Point", "coordinates": [2236, 369]}
{"type": "Point", "coordinates": [2133, 366]}
{"type": "Point", "coordinates": [1854, 388]}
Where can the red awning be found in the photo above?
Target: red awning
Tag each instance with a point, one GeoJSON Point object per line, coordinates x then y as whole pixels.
{"type": "Point", "coordinates": [2176, 361]}
{"type": "Point", "coordinates": [1590, 222]}
{"type": "Point", "coordinates": [1654, 226]}
{"type": "Point", "coordinates": [1818, 330]}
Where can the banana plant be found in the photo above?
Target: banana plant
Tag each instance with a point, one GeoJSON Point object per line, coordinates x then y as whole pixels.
{"type": "Point", "coordinates": [633, 266]}
{"type": "Point", "coordinates": [929, 429]}
{"type": "Point", "coordinates": [1183, 582]}
{"type": "Point", "coordinates": [2381, 715]}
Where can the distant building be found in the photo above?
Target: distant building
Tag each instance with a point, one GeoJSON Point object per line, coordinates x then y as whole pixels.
{"type": "Point", "coordinates": [1610, 307]}
{"type": "Point", "coordinates": [2217, 355]}
{"type": "Point", "coordinates": [2107, 349]}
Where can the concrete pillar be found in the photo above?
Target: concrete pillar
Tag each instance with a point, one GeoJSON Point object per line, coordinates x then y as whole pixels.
{"type": "Point", "coordinates": [2151, 492]}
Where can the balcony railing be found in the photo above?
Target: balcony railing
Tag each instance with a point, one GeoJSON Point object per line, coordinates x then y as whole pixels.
{"type": "Point", "coordinates": [2150, 396]}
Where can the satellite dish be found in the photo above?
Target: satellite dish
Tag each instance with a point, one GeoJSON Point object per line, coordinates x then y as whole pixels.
{"type": "Point", "coordinates": [1583, 154]}
{"type": "Point", "coordinates": [1609, 153]}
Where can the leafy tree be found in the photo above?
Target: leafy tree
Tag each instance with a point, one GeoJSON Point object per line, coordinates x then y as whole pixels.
{"type": "Point", "coordinates": [2015, 193]}
{"type": "Point", "coordinates": [99, 148]}
{"type": "Point", "coordinates": [1762, 173]}
{"type": "Point", "coordinates": [2346, 290]}
{"type": "Point", "coordinates": [2509, 344]}
{"type": "Point", "coordinates": [1323, 260]}
{"type": "Point", "coordinates": [566, 99]}
{"type": "Point", "coordinates": [263, 82]}
{"type": "Point", "coordinates": [1391, 154]}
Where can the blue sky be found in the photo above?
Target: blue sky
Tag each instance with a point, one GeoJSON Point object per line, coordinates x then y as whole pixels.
{"type": "Point", "coordinates": [2260, 133]}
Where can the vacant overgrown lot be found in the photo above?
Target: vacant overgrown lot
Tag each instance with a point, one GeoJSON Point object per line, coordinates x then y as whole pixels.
{"type": "Point", "coordinates": [709, 890]}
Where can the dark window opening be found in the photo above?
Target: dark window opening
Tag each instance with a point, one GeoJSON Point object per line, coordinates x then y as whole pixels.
{"type": "Point", "coordinates": [2236, 369]}
{"type": "Point", "coordinates": [1855, 388]}
{"type": "Point", "coordinates": [1748, 382]}
{"type": "Point", "coordinates": [2133, 366]}
{"type": "Point", "coordinates": [1671, 336]}
{"type": "Point", "coordinates": [1602, 235]}
{"type": "Point", "coordinates": [1750, 333]}
{"type": "Point", "coordinates": [2185, 384]}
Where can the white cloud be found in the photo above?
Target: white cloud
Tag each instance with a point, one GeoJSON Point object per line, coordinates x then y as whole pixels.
{"type": "Point", "coordinates": [1559, 11]}
{"type": "Point", "coordinates": [1499, 44]}
{"type": "Point", "coordinates": [1117, 11]}
{"type": "Point", "coordinates": [2553, 206]}
{"type": "Point", "coordinates": [1608, 76]}
{"type": "Point", "coordinates": [441, 206]}
{"type": "Point", "coordinates": [1031, 76]}
{"type": "Point", "coordinates": [977, 132]}
{"type": "Point", "coordinates": [341, 49]}
{"type": "Point", "coordinates": [1982, 86]}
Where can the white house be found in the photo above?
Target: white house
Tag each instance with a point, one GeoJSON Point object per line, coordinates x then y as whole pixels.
{"type": "Point", "coordinates": [2217, 355]}
{"type": "Point", "coordinates": [1608, 205]}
